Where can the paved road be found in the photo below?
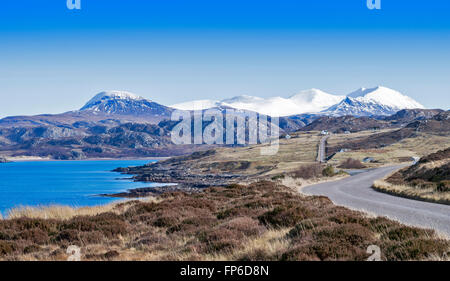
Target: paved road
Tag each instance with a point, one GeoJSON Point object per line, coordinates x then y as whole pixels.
{"type": "Point", "coordinates": [355, 192]}
{"type": "Point", "coordinates": [321, 152]}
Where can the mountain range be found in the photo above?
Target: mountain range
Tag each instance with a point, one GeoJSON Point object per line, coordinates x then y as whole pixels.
{"type": "Point", "coordinates": [121, 124]}
{"type": "Point", "coordinates": [120, 106]}
{"type": "Point", "coordinates": [362, 102]}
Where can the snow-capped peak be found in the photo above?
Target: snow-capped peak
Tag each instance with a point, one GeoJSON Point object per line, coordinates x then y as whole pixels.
{"type": "Point", "coordinates": [124, 103]}
{"type": "Point", "coordinates": [385, 96]}
{"type": "Point", "coordinates": [373, 101]}
{"type": "Point", "coordinates": [112, 95]}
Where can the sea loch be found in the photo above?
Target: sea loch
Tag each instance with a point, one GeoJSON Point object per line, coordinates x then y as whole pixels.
{"type": "Point", "coordinates": [72, 183]}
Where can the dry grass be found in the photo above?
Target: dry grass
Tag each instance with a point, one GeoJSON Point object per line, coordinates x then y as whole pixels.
{"type": "Point", "coordinates": [298, 184]}
{"type": "Point", "coordinates": [266, 247]}
{"type": "Point", "coordinates": [295, 183]}
{"type": "Point", "coordinates": [424, 194]}
{"type": "Point", "coordinates": [59, 212]}
{"type": "Point", "coordinates": [56, 212]}
{"type": "Point", "coordinates": [299, 150]}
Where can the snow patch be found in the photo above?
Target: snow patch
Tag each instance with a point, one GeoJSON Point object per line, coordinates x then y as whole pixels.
{"type": "Point", "coordinates": [196, 105]}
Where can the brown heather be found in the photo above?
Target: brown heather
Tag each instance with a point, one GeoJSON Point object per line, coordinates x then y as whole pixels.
{"type": "Point", "coordinates": [262, 221]}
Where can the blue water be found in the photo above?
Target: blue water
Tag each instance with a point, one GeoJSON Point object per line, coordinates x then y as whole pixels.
{"type": "Point", "coordinates": [72, 183]}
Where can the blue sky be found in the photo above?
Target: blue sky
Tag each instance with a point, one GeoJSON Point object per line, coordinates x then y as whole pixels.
{"type": "Point", "coordinates": [53, 59]}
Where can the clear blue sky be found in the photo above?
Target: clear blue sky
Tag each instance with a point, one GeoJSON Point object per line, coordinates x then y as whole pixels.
{"type": "Point", "coordinates": [53, 59]}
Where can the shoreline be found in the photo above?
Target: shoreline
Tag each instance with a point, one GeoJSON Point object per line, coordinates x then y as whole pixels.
{"type": "Point", "coordinates": [142, 192]}
{"type": "Point", "coordinates": [40, 159]}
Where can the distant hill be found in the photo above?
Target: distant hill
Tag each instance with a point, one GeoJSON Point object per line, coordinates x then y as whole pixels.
{"type": "Point", "coordinates": [437, 125]}
{"type": "Point", "coordinates": [340, 124]}
{"type": "Point", "coordinates": [409, 115]}
{"type": "Point", "coordinates": [345, 123]}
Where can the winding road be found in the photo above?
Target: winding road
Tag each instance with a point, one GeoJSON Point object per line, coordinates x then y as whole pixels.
{"type": "Point", "coordinates": [321, 149]}
{"type": "Point", "coordinates": [355, 192]}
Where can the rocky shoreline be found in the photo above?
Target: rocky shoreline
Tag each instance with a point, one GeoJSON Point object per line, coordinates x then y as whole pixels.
{"type": "Point", "coordinates": [4, 160]}
{"type": "Point", "coordinates": [179, 176]}
{"type": "Point", "coordinates": [176, 172]}
{"type": "Point", "coordinates": [149, 191]}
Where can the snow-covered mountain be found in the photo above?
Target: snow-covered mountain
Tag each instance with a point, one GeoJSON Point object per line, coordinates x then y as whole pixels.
{"type": "Point", "coordinates": [385, 96]}
{"type": "Point", "coordinates": [124, 103]}
{"type": "Point", "coordinates": [363, 102]}
{"type": "Point", "coordinates": [375, 101]}
{"type": "Point", "coordinates": [355, 107]}
{"type": "Point", "coordinates": [308, 101]}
